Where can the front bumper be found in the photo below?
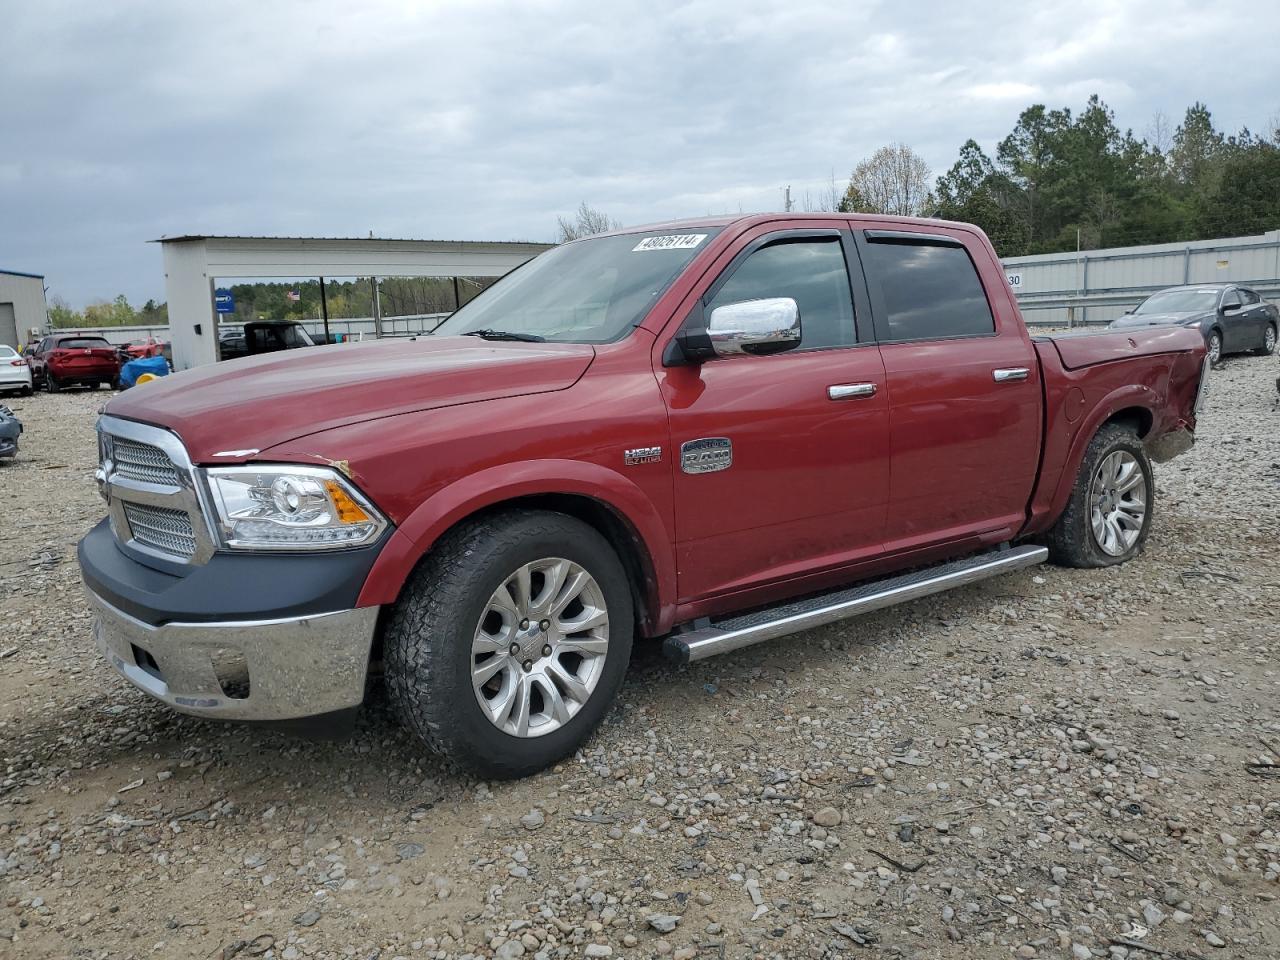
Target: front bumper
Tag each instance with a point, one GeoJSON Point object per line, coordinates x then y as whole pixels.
{"type": "Point", "coordinates": [280, 669]}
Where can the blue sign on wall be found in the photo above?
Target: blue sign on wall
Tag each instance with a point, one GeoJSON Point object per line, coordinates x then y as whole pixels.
{"type": "Point", "coordinates": [223, 301]}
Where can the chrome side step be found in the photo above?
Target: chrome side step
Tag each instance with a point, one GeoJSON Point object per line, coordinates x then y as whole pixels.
{"type": "Point", "coordinates": [737, 632]}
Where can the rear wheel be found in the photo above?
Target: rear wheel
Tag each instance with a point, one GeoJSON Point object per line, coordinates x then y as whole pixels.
{"type": "Point", "coordinates": [1268, 341]}
{"type": "Point", "coordinates": [510, 642]}
{"type": "Point", "coordinates": [51, 383]}
{"type": "Point", "coordinates": [93, 386]}
{"type": "Point", "coordinates": [1215, 346]}
{"type": "Point", "coordinates": [1108, 514]}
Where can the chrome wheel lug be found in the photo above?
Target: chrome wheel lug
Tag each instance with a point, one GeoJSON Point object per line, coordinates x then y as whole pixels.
{"type": "Point", "coordinates": [524, 624]}
{"type": "Point", "coordinates": [515, 649]}
{"type": "Point", "coordinates": [528, 665]}
{"type": "Point", "coordinates": [546, 650]}
{"type": "Point", "coordinates": [544, 626]}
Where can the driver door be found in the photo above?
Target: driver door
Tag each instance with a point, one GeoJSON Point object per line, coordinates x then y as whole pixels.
{"type": "Point", "coordinates": [799, 475]}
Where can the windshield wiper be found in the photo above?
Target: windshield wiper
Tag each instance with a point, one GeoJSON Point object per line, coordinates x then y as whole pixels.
{"type": "Point", "coordinates": [505, 335]}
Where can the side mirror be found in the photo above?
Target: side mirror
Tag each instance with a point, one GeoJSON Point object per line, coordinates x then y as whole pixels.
{"type": "Point", "coordinates": [1130, 310]}
{"type": "Point", "coordinates": [754, 326]}
{"type": "Point", "coordinates": [1230, 308]}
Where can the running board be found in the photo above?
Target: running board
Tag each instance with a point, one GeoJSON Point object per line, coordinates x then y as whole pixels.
{"type": "Point", "coordinates": [737, 632]}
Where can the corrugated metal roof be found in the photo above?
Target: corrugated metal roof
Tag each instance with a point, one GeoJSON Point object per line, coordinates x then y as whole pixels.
{"type": "Point", "coordinates": [19, 273]}
{"type": "Point", "coordinates": [232, 236]}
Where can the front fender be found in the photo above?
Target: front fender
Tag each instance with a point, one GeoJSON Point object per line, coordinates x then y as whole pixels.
{"type": "Point", "coordinates": [506, 482]}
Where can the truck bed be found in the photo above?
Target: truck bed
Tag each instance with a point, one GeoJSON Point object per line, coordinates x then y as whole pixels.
{"type": "Point", "coordinates": [1084, 348]}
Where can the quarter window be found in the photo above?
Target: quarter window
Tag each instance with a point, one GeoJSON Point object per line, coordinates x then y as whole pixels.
{"type": "Point", "coordinates": [931, 291]}
{"type": "Point", "coordinates": [810, 271]}
{"type": "Point", "coordinates": [1249, 296]}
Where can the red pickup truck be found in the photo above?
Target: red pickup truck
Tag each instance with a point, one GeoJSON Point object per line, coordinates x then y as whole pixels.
{"type": "Point", "coordinates": [714, 432]}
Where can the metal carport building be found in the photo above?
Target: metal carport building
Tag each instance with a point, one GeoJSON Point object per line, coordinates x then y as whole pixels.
{"type": "Point", "coordinates": [194, 264]}
{"type": "Point", "coordinates": [22, 307]}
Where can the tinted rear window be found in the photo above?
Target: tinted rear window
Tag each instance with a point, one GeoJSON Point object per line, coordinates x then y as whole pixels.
{"type": "Point", "coordinates": [931, 291]}
{"type": "Point", "coordinates": [81, 343]}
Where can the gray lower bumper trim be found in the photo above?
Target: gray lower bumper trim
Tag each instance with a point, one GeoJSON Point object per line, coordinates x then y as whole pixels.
{"type": "Point", "coordinates": [1172, 444]}
{"type": "Point", "coordinates": [298, 667]}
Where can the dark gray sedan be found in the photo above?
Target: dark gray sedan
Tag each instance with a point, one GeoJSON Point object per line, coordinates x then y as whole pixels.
{"type": "Point", "coordinates": [1233, 319]}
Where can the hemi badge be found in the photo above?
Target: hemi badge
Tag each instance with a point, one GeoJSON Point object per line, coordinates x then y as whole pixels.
{"type": "Point", "coordinates": [640, 455]}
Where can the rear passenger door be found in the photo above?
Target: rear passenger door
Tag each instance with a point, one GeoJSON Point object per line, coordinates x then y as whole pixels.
{"type": "Point", "coordinates": [963, 384]}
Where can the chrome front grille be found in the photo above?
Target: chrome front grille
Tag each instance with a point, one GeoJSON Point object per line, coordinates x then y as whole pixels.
{"type": "Point", "coordinates": [160, 528]}
{"type": "Point", "coordinates": [152, 491]}
{"type": "Point", "coordinates": [142, 461]}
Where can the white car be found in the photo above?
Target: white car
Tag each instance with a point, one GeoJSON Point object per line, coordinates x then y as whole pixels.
{"type": "Point", "coordinates": [14, 372]}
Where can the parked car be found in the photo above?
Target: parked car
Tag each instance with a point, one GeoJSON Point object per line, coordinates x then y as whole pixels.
{"type": "Point", "coordinates": [714, 432]}
{"type": "Point", "coordinates": [15, 373]}
{"type": "Point", "coordinates": [263, 336]}
{"type": "Point", "coordinates": [1232, 319]}
{"type": "Point", "coordinates": [142, 348]}
{"type": "Point", "coordinates": [10, 430]}
{"type": "Point", "coordinates": [66, 359]}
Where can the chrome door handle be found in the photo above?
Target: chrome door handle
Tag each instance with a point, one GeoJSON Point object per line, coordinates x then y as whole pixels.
{"type": "Point", "coordinates": [1006, 374]}
{"type": "Point", "coordinates": [850, 391]}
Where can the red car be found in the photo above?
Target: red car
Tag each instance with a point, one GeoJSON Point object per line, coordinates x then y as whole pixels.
{"type": "Point", "coordinates": [712, 432]}
{"type": "Point", "coordinates": [148, 347]}
{"type": "Point", "coordinates": [67, 359]}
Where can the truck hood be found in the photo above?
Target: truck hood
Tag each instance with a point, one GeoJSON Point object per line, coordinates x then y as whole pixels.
{"type": "Point", "coordinates": [1158, 319]}
{"type": "Point", "coordinates": [254, 403]}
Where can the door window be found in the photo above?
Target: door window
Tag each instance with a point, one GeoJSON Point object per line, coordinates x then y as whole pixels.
{"type": "Point", "coordinates": [1249, 297]}
{"type": "Point", "coordinates": [1230, 299]}
{"type": "Point", "coordinates": [931, 291]}
{"type": "Point", "coordinates": [810, 271]}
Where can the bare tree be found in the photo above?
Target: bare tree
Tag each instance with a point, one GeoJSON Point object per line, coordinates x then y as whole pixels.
{"type": "Point", "coordinates": [587, 221]}
{"type": "Point", "coordinates": [894, 180]}
{"type": "Point", "coordinates": [1160, 132]}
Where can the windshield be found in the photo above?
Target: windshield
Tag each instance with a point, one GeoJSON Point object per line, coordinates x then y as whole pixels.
{"type": "Point", "coordinates": [588, 291]}
{"type": "Point", "coordinates": [1180, 301]}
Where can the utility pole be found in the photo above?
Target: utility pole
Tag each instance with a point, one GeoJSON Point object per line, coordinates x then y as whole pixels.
{"type": "Point", "coordinates": [786, 198]}
{"type": "Point", "coordinates": [324, 311]}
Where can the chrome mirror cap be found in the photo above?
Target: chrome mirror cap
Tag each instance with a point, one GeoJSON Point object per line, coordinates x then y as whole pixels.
{"type": "Point", "coordinates": [754, 326]}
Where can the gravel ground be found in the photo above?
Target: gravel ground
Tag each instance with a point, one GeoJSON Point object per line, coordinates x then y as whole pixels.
{"type": "Point", "coordinates": [1058, 763]}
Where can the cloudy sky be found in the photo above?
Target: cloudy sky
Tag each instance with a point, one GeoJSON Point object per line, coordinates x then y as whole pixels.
{"type": "Point", "coordinates": [125, 121]}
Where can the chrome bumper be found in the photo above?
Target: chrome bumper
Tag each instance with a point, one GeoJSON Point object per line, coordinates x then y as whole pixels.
{"type": "Point", "coordinates": [247, 670]}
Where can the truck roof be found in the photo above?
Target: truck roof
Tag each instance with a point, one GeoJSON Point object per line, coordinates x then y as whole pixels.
{"type": "Point", "coordinates": [751, 219]}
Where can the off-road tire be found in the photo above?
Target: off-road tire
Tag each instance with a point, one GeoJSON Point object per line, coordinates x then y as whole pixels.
{"type": "Point", "coordinates": [427, 640]}
{"type": "Point", "coordinates": [1071, 541]}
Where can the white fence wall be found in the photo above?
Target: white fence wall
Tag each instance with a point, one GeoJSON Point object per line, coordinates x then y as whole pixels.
{"type": "Point", "coordinates": [353, 327]}
{"type": "Point", "coordinates": [1096, 286]}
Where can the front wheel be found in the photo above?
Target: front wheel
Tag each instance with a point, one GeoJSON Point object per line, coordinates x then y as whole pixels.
{"type": "Point", "coordinates": [1215, 346]}
{"type": "Point", "coordinates": [1108, 514]}
{"type": "Point", "coordinates": [510, 642]}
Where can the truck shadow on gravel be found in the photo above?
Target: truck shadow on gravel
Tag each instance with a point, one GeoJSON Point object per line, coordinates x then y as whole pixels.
{"type": "Point", "coordinates": [120, 735]}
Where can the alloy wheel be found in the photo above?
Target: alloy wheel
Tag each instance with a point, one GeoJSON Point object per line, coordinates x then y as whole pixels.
{"type": "Point", "coordinates": [1118, 502]}
{"type": "Point", "coordinates": [1215, 348]}
{"type": "Point", "coordinates": [540, 647]}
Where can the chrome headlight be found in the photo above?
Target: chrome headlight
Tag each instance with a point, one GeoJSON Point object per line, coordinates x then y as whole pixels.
{"type": "Point", "coordinates": [287, 507]}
